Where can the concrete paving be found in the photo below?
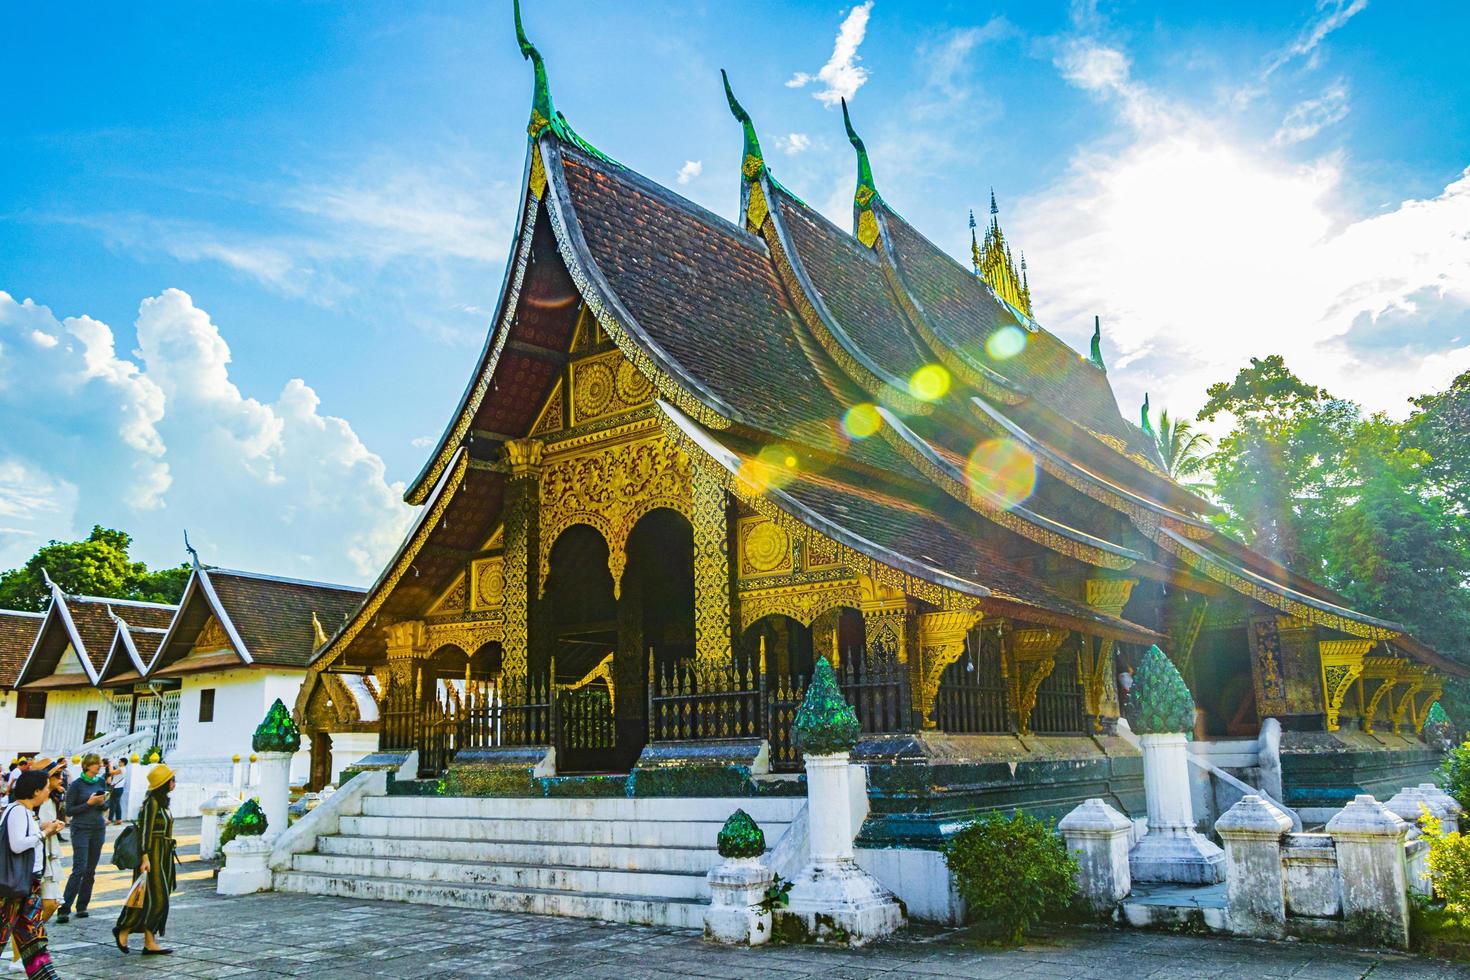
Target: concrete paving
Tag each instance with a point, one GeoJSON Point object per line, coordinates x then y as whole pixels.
{"type": "Point", "coordinates": [274, 935]}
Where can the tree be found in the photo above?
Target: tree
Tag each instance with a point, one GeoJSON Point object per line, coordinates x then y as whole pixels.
{"type": "Point", "coordinates": [98, 565]}
{"type": "Point", "coordinates": [1280, 471]}
{"type": "Point", "coordinates": [1184, 451]}
{"type": "Point", "coordinates": [1441, 427]}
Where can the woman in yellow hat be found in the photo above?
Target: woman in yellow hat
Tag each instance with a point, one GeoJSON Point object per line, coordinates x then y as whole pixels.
{"type": "Point", "coordinates": [156, 844]}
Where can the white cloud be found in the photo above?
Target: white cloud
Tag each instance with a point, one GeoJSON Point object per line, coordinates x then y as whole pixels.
{"type": "Point", "coordinates": [1309, 117]}
{"type": "Point", "coordinates": [690, 170]}
{"type": "Point", "coordinates": [1331, 15]}
{"type": "Point", "coordinates": [794, 143]}
{"type": "Point", "coordinates": [1200, 249]}
{"type": "Point", "coordinates": [841, 76]}
{"type": "Point", "coordinates": [169, 441]}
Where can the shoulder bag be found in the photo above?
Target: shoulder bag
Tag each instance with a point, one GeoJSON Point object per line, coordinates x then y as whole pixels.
{"type": "Point", "coordinates": [16, 870]}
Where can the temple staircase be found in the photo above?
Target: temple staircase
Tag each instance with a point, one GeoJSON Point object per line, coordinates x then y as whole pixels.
{"type": "Point", "coordinates": [639, 861]}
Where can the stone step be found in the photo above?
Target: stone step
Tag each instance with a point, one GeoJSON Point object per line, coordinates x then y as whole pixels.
{"type": "Point", "coordinates": [623, 833]}
{"type": "Point", "coordinates": [518, 876]}
{"type": "Point", "coordinates": [680, 913]}
{"type": "Point", "coordinates": [664, 859]}
{"type": "Point", "coordinates": [681, 809]}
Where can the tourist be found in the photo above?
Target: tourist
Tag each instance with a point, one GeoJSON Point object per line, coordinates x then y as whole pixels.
{"type": "Point", "coordinates": [23, 918]}
{"type": "Point", "coordinates": [117, 782]}
{"type": "Point", "coordinates": [86, 805]}
{"type": "Point", "coordinates": [21, 765]}
{"type": "Point", "coordinates": [156, 844]}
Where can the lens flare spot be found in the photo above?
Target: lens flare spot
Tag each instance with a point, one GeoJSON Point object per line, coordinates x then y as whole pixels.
{"type": "Point", "coordinates": [1001, 471]}
{"type": "Point", "coordinates": [929, 383]}
{"type": "Point", "coordinates": [862, 420]}
{"type": "Point", "coordinates": [1006, 343]}
{"type": "Point", "coordinates": [772, 468]}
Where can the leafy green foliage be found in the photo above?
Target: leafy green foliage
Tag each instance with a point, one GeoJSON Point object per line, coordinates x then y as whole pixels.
{"type": "Point", "coordinates": [777, 895]}
{"type": "Point", "coordinates": [98, 565]}
{"type": "Point", "coordinates": [1454, 774]}
{"type": "Point", "coordinates": [1449, 864]}
{"type": "Point", "coordinates": [1160, 701]}
{"type": "Point", "coordinates": [1013, 872]}
{"type": "Point", "coordinates": [1184, 451]}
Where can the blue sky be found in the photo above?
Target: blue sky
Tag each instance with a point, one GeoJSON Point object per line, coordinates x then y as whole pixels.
{"type": "Point", "coordinates": [248, 250]}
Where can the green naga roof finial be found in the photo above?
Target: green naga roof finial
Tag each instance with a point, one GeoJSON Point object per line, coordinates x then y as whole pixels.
{"type": "Point", "coordinates": [1144, 422]}
{"type": "Point", "coordinates": [1096, 355]}
{"type": "Point", "coordinates": [867, 191]}
{"type": "Point", "coordinates": [1159, 703]}
{"type": "Point", "coordinates": [277, 732]}
{"type": "Point", "coordinates": [825, 723]}
{"type": "Point", "coordinates": [754, 163]}
{"type": "Point", "coordinates": [543, 113]}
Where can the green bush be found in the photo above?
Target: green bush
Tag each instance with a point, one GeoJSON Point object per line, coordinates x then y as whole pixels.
{"type": "Point", "coordinates": [1454, 774]}
{"type": "Point", "coordinates": [1012, 871]}
{"type": "Point", "coordinates": [1449, 864]}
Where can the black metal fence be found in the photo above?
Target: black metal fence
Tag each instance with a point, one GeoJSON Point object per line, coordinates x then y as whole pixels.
{"type": "Point", "coordinates": [972, 698]}
{"type": "Point", "coordinates": [689, 700]}
{"type": "Point", "coordinates": [1060, 708]}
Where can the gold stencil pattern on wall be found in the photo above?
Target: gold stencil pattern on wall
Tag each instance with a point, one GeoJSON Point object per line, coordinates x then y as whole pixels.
{"type": "Point", "coordinates": [765, 548]}
{"type": "Point", "coordinates": [607, 384]}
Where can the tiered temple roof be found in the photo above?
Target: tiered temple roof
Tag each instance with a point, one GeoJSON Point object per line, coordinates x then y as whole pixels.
{"type": "Point", "coordinates": [768, 333]}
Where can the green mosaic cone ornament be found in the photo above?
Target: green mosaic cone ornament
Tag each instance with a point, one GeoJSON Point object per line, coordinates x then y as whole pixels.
{"type": "Point", "coordinates": [741, 837]}
{"type": "Point", "coordinates": [277, 733]}
{"type": "Point", "coordinates": [1160, 702]}
{"type": "Point", "coordinates": [1437, 725]}
{"type": "Point", "coordinates": [825, 722]}
{"type": "Point", "coordinates": [249, 820]}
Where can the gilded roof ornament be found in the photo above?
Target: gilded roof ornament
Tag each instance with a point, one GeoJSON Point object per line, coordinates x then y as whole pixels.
{"type": "Point", "coordinates": [754, 163]}
{"type": "Point", "coordinates": [1096, 354]}
{"type": "Point", "coordinates": [543, 113]}
{"type": "Point", "coordinates": [867, 190]}
{"type": "Point", "coordinates": [1144, 423]}
{"type": "Point", "coordinates": [994, 263]}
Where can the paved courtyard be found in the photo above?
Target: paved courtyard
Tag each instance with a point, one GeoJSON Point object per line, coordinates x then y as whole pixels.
{"type": "Point", "coordinates": [295, 935]}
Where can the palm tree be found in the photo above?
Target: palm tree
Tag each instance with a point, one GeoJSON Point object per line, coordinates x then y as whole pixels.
{"type": "Point", "coordinates": [1184, 451]}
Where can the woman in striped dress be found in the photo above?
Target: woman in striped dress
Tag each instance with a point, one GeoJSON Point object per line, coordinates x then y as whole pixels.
{"type": "Point", "coordinates": [156, 844]}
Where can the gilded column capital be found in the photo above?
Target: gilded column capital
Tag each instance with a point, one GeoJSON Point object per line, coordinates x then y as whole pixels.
{"type": "Point", "coordinates": [1033, 651]}
{"type": "Point", "coordinates": [1414, 677]}
{"type": "Point", "coordinates": [406, 640]}
{"type": "Point", "coordinates": [875, 598]}
{"type": "Point", "coordinates": [1342, 665]}
{"type": "Point", "coordinates": [524, 456]}
{"type": "Point", "coordinates": [1110, 595]}
{"type": "Point", "coordinates": [941, 642]}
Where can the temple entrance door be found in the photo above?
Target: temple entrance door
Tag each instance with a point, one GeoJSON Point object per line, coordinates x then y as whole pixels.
{"type": "Point", "coordinates": [321, 761]}
{"type": "Point", "coordinates": [655, 618]}
{"type": "Point", "coordinates": [581, 615]}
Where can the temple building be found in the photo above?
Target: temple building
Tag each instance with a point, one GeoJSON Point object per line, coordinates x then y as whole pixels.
{"type": "Point", "coordinates": [22, 716]}
{"type": "Point", "coordinates": [120, 677]}
{"type": "Point", "coordinates": [697, 454]}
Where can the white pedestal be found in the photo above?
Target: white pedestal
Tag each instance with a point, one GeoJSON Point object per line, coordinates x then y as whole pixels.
{"type": "Point", "coordinates": [1172, 850]}
{"type": "Point", "coordinates": [247, 867]}
{"type": "Point", "coordinates": [735, 916]}
{"type": "Point", "coordinates": [1255, 879]}
{"type": "Point", "coordinates": [214, 814]}
{"type": "Point", "coordinates": [1370, 864]}
{"type": "Point", "coordinates": [1098, 836]}
{"type": "Point", "coordinates": [834, 899]}
{"type": "Point", "coordinates": [275, 790]}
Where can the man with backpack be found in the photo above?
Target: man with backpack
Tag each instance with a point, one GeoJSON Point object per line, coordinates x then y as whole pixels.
{"type": "Point", "coordinates": [86, 810]}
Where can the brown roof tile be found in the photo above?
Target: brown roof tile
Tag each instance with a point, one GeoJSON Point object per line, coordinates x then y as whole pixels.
{"type": "Point", "coordinates": [273, 615]}
{"type": "Point", "coordinates": [17, 633]}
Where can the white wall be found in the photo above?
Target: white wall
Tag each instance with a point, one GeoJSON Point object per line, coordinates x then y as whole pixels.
{"type": "Point", "coordinates": [18, 735]}
{"type": "Point", "coordinates": [66, 718]}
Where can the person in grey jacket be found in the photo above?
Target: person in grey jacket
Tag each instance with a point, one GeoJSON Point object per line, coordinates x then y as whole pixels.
{"type": "Point", "coordinates": [86, 813]}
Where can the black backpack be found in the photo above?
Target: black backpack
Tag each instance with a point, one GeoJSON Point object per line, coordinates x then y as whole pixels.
{"type": "Point", "coordinates": [127, 849]}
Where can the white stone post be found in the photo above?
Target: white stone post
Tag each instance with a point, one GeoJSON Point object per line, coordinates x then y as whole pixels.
{"type": "Point", "coordinates": [275, 790]}
{"type": "Point", "coordinates": [247, 867]}
{"type": "Point", "coordinates": [1255, 878]}
{"type": "Point", "coordinates": [137, 789]}
{"type": "Point", "coordinates": [237, 778]}
{"type": "Point", "coordinates": [1172, 850]}
{"type": "Point", "coordinates": [1098, 835]}
{"type": "Point", "coordinates": [735, 916]}
{"type": "Point", "coordinates": [214, 814]}
{"type": "Point", "coordinates": [1370, 864]}
{"type": "Point", "coordinates": [1409, 804]}
{"type": "Point", "coordinates": [1448, 808]}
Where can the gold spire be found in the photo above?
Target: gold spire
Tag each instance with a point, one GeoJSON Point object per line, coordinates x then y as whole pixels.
{"type": "Point", "coordinates": [994, 264]}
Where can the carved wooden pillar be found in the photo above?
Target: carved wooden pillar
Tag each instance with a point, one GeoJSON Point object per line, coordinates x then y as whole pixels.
{"type": "Point", "coordinates": [1032, 653]}
{"type": "Point", "coordinates": [711, 526]}
{"type": "Point", "coordinates": [888, 630]}
{"type": "Point", "coordinates": [522, 546]}
{"type": "Point", "coordinates": [1342, 665]}
{"type": "Point", "coordinates": [1097, 677]}
{"type": "Point", "coordinates": [941, 642]}
{"type": "Point", "coordinates": [398, 720]}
